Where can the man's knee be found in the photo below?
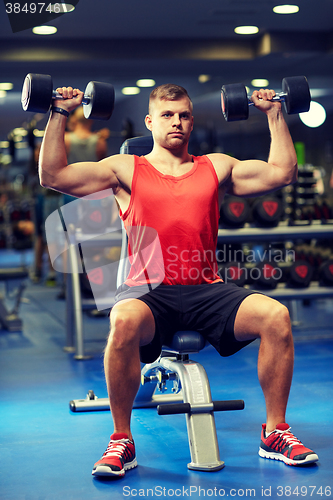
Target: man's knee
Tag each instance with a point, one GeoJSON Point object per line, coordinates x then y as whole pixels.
{"type": "Point", "coordinates": [124, 330]}
{"type": "Point", "coordinates": [128, 325]}
{"type": "Point", "coordinates": [277, 322]}
{"type": "Point", "coordinates": [260, 316]}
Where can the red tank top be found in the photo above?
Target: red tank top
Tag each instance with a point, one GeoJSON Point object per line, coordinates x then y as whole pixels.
{"type": "Point", "coordinates": [172, 225]}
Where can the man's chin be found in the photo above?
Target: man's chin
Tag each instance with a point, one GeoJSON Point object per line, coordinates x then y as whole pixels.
{"type": "Point", "coordinates": [176, 142]}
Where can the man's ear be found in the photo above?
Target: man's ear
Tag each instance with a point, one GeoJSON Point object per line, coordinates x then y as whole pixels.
{"type": "Point", "coordinates": [148, 122]}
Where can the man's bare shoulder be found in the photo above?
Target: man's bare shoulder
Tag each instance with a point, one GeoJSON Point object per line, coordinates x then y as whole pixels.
{"type": "Point", "coordinates": [223, 165]}
{"type": "Point", "coordinates": [120, 160]}
{"type": "Point", "coordinates": [118, 163]}
{"type": "Point", "coordinates": [122, 166]}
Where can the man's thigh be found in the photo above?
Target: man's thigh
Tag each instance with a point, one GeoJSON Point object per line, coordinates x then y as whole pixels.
{"type": "Point", "coordinates": [252, 315]}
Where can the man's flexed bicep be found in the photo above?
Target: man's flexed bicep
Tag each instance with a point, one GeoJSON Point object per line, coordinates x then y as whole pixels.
{"type": "Point", "coordinates": [255, 178]}
{"type": "Point", "coordinates": [85, 178]}
{"type": "Point", "coordinates": [249, 177]}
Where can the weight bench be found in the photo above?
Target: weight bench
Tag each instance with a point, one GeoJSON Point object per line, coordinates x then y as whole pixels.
{"type": "Point", "coordinates": [190, 392]}
{"type": "Point", "coordinates": [14, 279]}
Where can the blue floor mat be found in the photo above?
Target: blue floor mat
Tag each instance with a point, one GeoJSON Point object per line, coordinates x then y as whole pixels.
{"type": "Point", "coordinates": [47, 452]}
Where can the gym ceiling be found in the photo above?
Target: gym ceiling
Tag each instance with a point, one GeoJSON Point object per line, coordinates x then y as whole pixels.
{"type": "Point", "coordinates": [122, 41]}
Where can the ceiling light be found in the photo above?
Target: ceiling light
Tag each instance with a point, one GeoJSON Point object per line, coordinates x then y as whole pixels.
{"type": "Point", "coordinates": [246, 30]}
{"type": "Point", "coordinates": [66, 7]}
{"type": "Point", "coordinates": [44, 30]}
{"type": "Point", "coordinates": [6, 86]}
{"type": "Point", "coordinates": [145, 82]}
{"type": "Point", "coordinates": [60, 8]}
{"type": "Point", "coordinates": [260, 82]}
{"type": "Point", "coordinates": [130, 90]}
{"type": "Point", "coordinates": [285, 9]}
{"type": "Point", "coordinates": [204, 78]}
{"type": "Point", "coordinates": [3, 94]}
{"type": "Point", "coordinates": [315, 116]}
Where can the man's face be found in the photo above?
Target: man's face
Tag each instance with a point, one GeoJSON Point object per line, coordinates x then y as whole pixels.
{"type": "Point", "coordinates": [171, 122]}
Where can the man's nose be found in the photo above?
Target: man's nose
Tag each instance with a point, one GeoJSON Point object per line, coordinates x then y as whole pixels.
{"type": "Point", "coordinates": [176, 120]}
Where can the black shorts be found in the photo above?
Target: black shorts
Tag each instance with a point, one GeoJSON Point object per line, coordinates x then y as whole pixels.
{"type": "Point", "coordinates": [209, 309]}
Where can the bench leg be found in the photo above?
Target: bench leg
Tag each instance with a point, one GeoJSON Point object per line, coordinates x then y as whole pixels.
{"type": "Point", "coordinates": [201, 427]}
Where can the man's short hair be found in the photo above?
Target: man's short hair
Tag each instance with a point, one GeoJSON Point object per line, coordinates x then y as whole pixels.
{"type": "Point", "coordinates": [168, 92]}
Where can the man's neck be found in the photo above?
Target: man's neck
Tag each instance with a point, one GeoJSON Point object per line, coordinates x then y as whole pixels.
{"type": "Point", "coordinates": [171, 158]}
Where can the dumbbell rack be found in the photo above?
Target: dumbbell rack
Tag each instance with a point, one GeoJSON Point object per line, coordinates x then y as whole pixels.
{"type": "Point", "coordinates": [303, 194]}
{"type": "Point", "coordinates": [284, 232]}
{"type": "Point", "coordinates": [75, 304]}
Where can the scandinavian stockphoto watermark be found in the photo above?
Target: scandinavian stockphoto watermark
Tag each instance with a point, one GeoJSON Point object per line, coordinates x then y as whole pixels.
{"type": "Point", "coordinates": [85, 237]}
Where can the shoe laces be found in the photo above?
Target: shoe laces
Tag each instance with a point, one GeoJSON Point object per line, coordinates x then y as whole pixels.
{"type": "Point", "coordinates": [116, 447]}
{"type": "Point", "coordinates": [289, 437]}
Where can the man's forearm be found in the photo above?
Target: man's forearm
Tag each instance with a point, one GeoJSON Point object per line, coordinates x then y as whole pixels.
{"type": "Point", "coordinates": [282, 151]}
{"type": "Point", "coordinates": [53, 158]}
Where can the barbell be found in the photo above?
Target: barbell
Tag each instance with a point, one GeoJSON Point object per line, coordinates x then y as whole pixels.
{"type": "Point", "coordinates": [38, 94]}
{"type": "Point", "coordinates": [295, 95]}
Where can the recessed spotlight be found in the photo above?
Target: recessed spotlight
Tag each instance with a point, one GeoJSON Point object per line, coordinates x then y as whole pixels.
{"type": "Point", "coordinates": [6, 86]}
{"type": "Point", "coordinates": [204, 78]}
{"type": "Point", "coordinates": [260, 82]}
{"type": "Point", "coordinates": [315, 116]}
{"type": "Point", "coordinates": [67, 7]}
{"type": "Point", "coordinates": [44, 30]}
{"type": "Point", "coordinates": [130, 90]}
{"type": "Point", "coordinates": [145, 82]}
{"type": "Point", "coordinates": [60, 8]}
{"type": "Point", "coordinates": [246, 30]}
{"type": "Point", "coordinates": [286, 9]}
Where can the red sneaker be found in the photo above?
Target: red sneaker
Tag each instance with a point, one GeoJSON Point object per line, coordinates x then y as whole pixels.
{"type": "Point", "coordinates": [118, 457]}
{"type": "Point", "coordinates": [281, 444]}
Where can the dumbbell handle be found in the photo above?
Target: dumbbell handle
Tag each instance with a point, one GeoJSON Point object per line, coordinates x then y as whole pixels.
{"type": "Point", "coordinates": [280, 97]}
{"type": "Point", "coordinates": [86, 98]}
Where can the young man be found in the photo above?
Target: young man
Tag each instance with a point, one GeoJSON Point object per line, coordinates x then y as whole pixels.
{"type": "Point", "coordinates": [178, 196]}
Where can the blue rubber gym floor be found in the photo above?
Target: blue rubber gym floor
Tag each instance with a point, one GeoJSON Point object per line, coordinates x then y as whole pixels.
{"type": "Point", "coordinates": [47, 452]}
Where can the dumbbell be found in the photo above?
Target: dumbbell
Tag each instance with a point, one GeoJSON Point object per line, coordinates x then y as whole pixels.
{"type": "Point", "coordinates": [234, 212]}
{"type": "Point", "coordinates": [233, 272]}
{"type": "Point", "coordinates": [267, 211]}
{"type": "Point", "coordinates": [300, 274]}
{"type": "Point", "coordinates": [295, 95]}
{"type": "Point", "coordinates": [38, 94]}
{"type": "Point", "coordinates": [96, 282]}
{"type": "Point", "coordinates": [326, 273]}
{"type": "Point", "coordinates": [94, 219]}
{"type": "Point", "coordinates": [265, 275]}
